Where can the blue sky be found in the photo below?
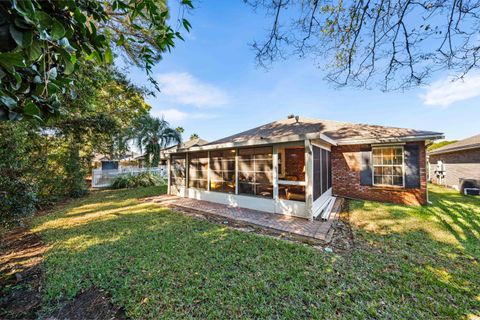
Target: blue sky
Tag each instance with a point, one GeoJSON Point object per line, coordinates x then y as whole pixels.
{"type": "Point", "coordinates": [212, 87]}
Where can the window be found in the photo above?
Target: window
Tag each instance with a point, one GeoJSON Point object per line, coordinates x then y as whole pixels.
{"type": "Point", "coordinates": [198, 170]}
{"type": "Point", "coordinates": [291, 173]}
{"type": "Point", "coordinates": [222, 171]}
{"type": "Point", "coordinates": [255, 176]}
{"type": "Point", "coordinates": [388, 166]}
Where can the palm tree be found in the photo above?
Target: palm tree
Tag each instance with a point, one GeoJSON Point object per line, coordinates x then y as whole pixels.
{"type": "Point", "coordinates": [194, 136]}
{"type": "Point", "coordinates": [152, 135]}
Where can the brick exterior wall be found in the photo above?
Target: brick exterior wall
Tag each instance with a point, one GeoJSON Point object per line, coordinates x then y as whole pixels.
{"type": "Point", "coordinates": [346, 164]}
{"type": "Point", "coordinates": [464, 164]}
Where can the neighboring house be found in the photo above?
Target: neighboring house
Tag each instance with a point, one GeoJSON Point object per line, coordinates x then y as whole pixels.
{"type": "Point", "coordinates": [165, 153]}
{"type": "Point", "coordinates": [105, 162]}
{"type": "Point", "coordinates": [456, 164]}
{"type": "Point", "coordinates": [294, 166]}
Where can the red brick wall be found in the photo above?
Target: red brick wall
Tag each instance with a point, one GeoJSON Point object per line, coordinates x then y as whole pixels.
{"type": "Point", "coordinates": [346, 179]}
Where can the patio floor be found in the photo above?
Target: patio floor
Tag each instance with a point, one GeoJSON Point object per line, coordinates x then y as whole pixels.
{"type": "Point", "coordinates": [320, 230]}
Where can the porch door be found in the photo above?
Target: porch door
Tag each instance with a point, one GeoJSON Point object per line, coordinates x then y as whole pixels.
{"type": "Point", "coordinates": [177, 173]}
{"type": "Point", "coordinates": [322, 172]}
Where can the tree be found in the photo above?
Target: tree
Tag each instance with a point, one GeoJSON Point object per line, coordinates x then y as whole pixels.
{"type": "Point", "coordinates": [42, 43]}
{"type": "Point", "coordinates": [440, 144]}
{"type": "Point", "coordinates": [194, 136]}
{"type": "Point", "coordinates": [98, 120]}
{"type": "Point", "coordinates": [154, 134]}
{"type": "Point", "coordinates": [397, 43]}
{"type": "Point", "coordinates": [180, 129]}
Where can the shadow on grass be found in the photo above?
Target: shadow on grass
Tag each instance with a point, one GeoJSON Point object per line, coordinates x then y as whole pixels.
{"type": "Point", "coordinates": [157, 263]}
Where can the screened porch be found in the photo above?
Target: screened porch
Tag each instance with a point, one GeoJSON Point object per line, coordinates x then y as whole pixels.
{"type": "Point", "coordinates": [288, 178]}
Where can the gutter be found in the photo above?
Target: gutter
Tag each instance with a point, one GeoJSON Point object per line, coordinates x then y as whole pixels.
{"type": "Point", "coordinates": [390, 140]}
{"type": "Point", "coordinates": [260, 142]}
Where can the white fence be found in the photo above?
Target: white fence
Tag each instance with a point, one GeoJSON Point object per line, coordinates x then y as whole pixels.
{"type": "Point", "coordinates": [104, 178]}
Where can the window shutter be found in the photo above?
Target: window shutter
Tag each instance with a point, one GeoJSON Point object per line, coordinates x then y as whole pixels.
{"type": "Point", "coordinates": [412, 166]}
{"type": "Point", "coordinates": [366, 167]}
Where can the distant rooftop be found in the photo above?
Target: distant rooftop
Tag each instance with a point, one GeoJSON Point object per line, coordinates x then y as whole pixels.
{"type": "Point", "coordinates": [469, 143]}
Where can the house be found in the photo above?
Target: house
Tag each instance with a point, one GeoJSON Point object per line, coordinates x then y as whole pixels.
{"type": "Point", "coordinates": [165, 153]}
{"type": "Point", "coordinates": [456, 165]}
{"type": "Point", "coordinates": [295, 165]}
{"type": "Point", "coordinates": [107, 162]}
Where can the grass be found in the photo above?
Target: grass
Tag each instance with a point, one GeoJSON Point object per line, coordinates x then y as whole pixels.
{"type": "Point", "coordinates": [155, 263]}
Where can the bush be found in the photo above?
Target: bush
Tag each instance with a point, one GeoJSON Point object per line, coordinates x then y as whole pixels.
{"type": "Point", "coordinates": [18, 199]}
{"type": "Point", "coordinates": [18, 192]}
{"type": "Point", "coordinates": [144, 179]}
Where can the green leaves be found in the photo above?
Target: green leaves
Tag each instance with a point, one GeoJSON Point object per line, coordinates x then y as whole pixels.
{"type": "Point", "coordinates": [8, 102]}
{"type": "Point", "coordinates": [108, 56]}
{"type": "Point", "coordinates": [31, 109]}
{"type": "Point", "coordinates": [10, 60]}
{"type": "Point", "coordinates": [79, 16]}
{"type": "Point", "coordinates": [45, 39]}
{"type": "Point", "coordinates": [34, 51]}
{"type": "Point", "coordinates": [186, 25]}
{"type": "Point", "coordinates": [58, 31]}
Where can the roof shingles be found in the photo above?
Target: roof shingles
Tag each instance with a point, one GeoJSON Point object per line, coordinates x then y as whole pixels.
{"type": "Point", "coordinates": [339, 131]}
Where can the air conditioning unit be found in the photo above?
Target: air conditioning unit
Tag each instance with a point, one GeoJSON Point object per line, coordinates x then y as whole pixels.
{"type": "Point", "coordinates": [472, 191]}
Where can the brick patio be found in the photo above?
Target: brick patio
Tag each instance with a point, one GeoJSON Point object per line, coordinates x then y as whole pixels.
{"type": "Point", "coordinates": [302, 227]}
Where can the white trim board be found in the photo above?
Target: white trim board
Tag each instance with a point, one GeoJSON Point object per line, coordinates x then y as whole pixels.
{"type": "Point", "coordinates": [280, 206]}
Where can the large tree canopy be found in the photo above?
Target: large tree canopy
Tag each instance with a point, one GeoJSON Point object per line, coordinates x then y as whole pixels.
{"type": "Point", "coordinates": [42, 41]}
{"type": "Point", "coordinates": [397, 43]}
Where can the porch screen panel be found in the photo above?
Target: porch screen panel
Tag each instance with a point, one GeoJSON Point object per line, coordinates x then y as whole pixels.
{"type": "Point", "coordinates": [198, 170]}
{"type": "Point", "coordinates": [255, 172]}
{"type": "Point", "coordinates": [317, 173]}
{"type": "Point", "coordinates": [291, 173]}
{"type": "Point", "coordinates": [222, 171]}
{"type": "Point", "coordinates": [324, 170]}
{"type": "Point", "coordinates": [177, 172]}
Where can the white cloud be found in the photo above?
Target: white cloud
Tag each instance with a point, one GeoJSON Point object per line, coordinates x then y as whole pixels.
{"type": "Point", "coordinates": [171, 115]}
{"type": "Point", "coordinates": [184, 88]}
{"type": "Point", "coordinates": [446, 92]}
{"type": "Point", "coordinates": [177, 116]}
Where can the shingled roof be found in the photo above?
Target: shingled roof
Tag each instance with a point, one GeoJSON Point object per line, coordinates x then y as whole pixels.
{"type": "Point", "coordinates": [469, 143]}
{"type": "Point", "coordinates": [340, 132]}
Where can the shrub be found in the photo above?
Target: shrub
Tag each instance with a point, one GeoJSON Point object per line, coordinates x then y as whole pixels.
{"type": "Point", "coordinates": [18, 199]}
{"type": "Point", "coordinates": [18, 192]}
{"type": "Point", "coordinates": [144, 179]}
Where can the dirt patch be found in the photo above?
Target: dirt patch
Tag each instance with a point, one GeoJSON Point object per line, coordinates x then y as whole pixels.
{"type": "Point", "coordinates": [21, 253]}
{"type": "Point", "coordinates": [92, 304]}
{"type": "Point", "coordinates": [342, 239]}
{"type": "Point", "coordinates": [21, 257]}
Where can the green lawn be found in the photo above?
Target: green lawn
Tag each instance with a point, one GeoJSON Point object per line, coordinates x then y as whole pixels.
{"type": "Point", "coordinates": [408, 262]}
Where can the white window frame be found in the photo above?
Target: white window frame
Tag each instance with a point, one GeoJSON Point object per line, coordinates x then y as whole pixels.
{"type": "Point", "coordinates": [382, 165]}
